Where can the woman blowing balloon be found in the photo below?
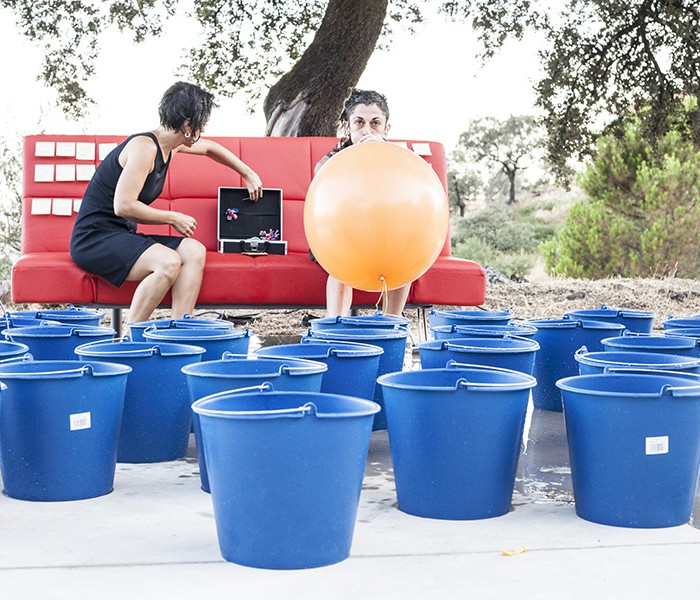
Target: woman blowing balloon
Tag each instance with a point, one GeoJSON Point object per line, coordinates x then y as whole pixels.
{"type": "Point", "coordinates": [365, 118]}
{"type": "Point", "coordinates": [104, 239]}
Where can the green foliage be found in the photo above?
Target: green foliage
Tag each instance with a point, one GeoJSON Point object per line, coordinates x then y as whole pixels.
{"type": "Point", "coordinates": [10, 206]}
{"type": "Point", "coordinates": [641, 216]}
{"type": "Point", "coordinates": [503, 237]}
{"type": "Point", "coordinates": [598, 58]}
{"type": "Point", "coordinates": [505, 146]}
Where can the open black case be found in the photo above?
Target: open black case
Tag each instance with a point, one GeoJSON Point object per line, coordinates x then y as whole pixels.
{"type": "Point", "coordinates": [250, 227]}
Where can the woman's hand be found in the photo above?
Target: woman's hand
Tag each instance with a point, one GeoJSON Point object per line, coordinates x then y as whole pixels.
{"type": "Point", "coordinates": [184, 224]}
{"type": "Point", "coordinates": [254, 185]}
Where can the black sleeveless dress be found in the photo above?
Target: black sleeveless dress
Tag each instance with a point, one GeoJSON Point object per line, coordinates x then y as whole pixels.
{"type": "Point", "coordinates": [103, 243]}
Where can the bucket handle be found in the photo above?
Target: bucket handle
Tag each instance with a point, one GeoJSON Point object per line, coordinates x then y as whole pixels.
{"type": "Point", "coordinates": [17, 359]}
{"type": "Point", "coordinates": [300, 411]}
{"type": "Point", "coordinates": [676, 391]}
{"type": "Point", "coordinates": [266, 386]}
{"type": "Point", "coordinates": [232, 355]}
{"type": "Point", "coordinates": [471, 385]}
{"type": "Point", "coordinates": [155, 349]}
{"type": "Point", "coordinates": [582, 350]}
{"type": "Point", "coordinates": [86, 368]}
{"type": "Point", "coordinates": [332, 351]}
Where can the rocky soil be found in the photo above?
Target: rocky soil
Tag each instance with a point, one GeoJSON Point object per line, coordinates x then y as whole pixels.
{"type": "Point", "coordinates": [526, 300]}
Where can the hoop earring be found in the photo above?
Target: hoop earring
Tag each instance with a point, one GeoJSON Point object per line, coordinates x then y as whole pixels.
{"type": "Point", "coordinates": [188, 135]}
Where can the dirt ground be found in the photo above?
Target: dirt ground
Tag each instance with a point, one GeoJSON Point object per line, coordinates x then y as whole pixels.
{"type": "Point", "coordinates": [541, 299]}
{"type": "Point", "coordinates": [538, 299]}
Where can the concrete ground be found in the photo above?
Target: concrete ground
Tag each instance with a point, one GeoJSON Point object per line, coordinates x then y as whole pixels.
{"type": "Point", "coordinates": [154, 537]}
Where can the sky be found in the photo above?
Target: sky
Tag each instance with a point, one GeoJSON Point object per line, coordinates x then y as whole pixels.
{"type": "Point", "coordinates": [433, 81]}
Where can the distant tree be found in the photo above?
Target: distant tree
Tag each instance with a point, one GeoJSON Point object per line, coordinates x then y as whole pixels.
{"type": "Point", "coordinates": [463, 186]}
{"type": "Point", "coordinates": [508, 144]}
{"type": "Point", "coordinates": [641, 216]}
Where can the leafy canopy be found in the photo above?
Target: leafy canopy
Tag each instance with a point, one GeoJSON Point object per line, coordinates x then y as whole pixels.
{"type": "Point", "coordinates": [641, 217]}
{"type": "Point", "coordinates": [600, 58]}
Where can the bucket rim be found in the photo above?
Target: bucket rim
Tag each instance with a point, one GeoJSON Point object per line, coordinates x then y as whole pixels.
{"type": "Point", "coordinates": [526, 381]}
{"type": "Point", "coordinates": [363, 320]}
{"type": "Point", "coordinates": [474, 313]}
{"type": "Point", "coordinates": [665, 389]}
{"type": "Point", "coordinates": [328, 348]}
{"type": "Point", "coordinates": [386, 333]}
{"type": "Point", "coordinates": [466, 344]}
{"type": "Point", "coordinates": [607, 313]}
{"type": "Point", "coordinates": [564, 323]}
{"type": "Point", "coordinates": [496, 329]}
{"type": "Point", "coordinates": [184, 323]}
{"type": "Point", "coordinates": [284, 366]}
{"type": "Point", "coordinates": [624, 341]}
{"type": "Point", "coordinates": [218, 333]}
{"type": "Point", "coordinates": [142, 349]}
{"type": "Point", "coordinates": [17, 346]}
{"type": "Point", "coordinates": [70, 311]}
{"type": "Point", "coordinates": [63, 369]}
{"type": "Point", "coordinates": [59, 330]}
{"type": "Point", "coordinates": [305, 405]}
{"type": "Point", "coordinates": [597, 359]}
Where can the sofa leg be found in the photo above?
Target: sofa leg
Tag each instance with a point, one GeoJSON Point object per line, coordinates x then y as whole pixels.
{"type": "Point", "coordinates": [117, 321]}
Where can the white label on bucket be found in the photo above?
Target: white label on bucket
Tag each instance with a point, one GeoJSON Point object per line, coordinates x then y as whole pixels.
{"type": "Point", "coordinates": [80, 421]}
{"type": "Point", "coordinates": [657, 445]}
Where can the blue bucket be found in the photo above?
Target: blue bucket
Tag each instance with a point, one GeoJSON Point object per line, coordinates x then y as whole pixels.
{"type": "Point", "coordinates": [638, 321]}
{"type": "Point", "coordinates": [595, 363]}
{"type": "Point", "coordinates": [57, 342]}
{"type": "Point", "coordinates": [392, 341]}
{"type": "Point", "coordinates": [8, 322]}
{"type": "Point", "coordinates": [352, 367]}
{"type": "Point", "coordinates": [469, 317]}
{"type": "Point", "coordinates": [455, 437]}
{"type": "Point", "coordinates": [507, 352]}
{"type": "Point", "coordinates": [239, 371]}
{"type": "Point", "coordinates": [70, 316]}
{"type": "Point", "coordinates": [136, 329]}
{"type": "Point", "coordinates": [286, 471]}
{"type": "Point", "coordinates": [634, 446]}
{"type": "Point", "coordinates": [12, 350]}
{"type": "Point", "coordinates": [157, 417]}
{"type": "Point", "coordinates": [671, 324]}
{"type": "Point", "coordinates": [689, 332]}
{"type": "Point", "coordinates": [559, 339]}
{"type": "Point", "coordinates": [684, 346]}
{"type": "Point", "coordinates": [444, 332]}
{"type": "Point", "coordinates": [375, 321]}
{"type": "Point", "coordinates": [59, 428]}
{"type": "Point", "coordinates": [214, 340]}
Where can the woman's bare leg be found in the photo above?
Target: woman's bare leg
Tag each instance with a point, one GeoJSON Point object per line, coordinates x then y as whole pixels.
{"type": "Point", "coordinates": [157, 269]}
{"type": "Point", "coordinates": [338, 298]}
{"type": "Point", "coordinates": [395, 300]}
{"type": "Point", "coordinates": [185, 290]}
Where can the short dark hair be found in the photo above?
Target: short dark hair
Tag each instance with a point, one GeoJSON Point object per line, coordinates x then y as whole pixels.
{"type": "Point", "coordinates": [185, 102]}
{"type": "Point", "coordinates": [356, 98]}
{"type": "Point", "coordinates": [366, 97]}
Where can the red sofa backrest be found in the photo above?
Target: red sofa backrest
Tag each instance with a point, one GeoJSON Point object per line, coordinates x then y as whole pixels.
{"type": "Point", "coordinates": [57, 169]}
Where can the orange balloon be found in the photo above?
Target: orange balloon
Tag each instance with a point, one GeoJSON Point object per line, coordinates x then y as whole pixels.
{"type": "Point", "coordinates": [376, 216]}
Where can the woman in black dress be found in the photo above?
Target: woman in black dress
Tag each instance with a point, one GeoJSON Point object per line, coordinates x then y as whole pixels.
{"type": "Point", "coordinates": [104, 239]}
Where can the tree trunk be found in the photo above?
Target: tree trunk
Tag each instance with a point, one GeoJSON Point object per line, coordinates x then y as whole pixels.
{"type": "Point", "coordinates": [510, 173]}
{"type": "Point", "coordinates": [309, 98]}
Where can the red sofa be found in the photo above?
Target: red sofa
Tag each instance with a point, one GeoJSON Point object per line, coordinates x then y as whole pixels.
{"type": "Point", "coordinates": [58, 167]}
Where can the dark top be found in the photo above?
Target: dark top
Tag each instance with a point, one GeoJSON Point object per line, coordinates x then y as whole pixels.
{"type": "Point", "coordinates": [104, 243]}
